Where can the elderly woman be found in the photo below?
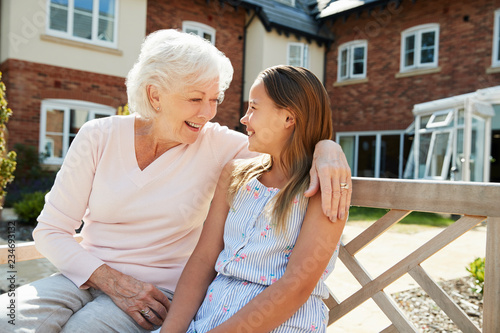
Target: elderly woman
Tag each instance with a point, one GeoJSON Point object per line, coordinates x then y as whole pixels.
{"type": "Point", "coordinates": [143, 184]}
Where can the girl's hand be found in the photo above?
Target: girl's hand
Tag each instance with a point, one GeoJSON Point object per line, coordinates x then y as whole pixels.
{"type": "Point", "coordinates": [329, 170]}
{"type": "Point", "coordinates": [145, 303]}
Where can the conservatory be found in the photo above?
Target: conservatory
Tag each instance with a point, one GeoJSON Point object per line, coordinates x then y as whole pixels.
{"type": "Point", "coordinates": [453, 137]}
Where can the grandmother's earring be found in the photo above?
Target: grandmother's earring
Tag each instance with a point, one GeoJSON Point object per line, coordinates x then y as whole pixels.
{"type": "Point", "coordinates": [158, 108]}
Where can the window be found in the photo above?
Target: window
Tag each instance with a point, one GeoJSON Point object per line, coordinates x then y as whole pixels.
{"type": "Point", "coordinates": [287, 2]}
{"type": "Point", "coordinates": [376, 154]}
{"type": "Point", "coordinates": [496, 40]}
{"type": "Point", "coordinates": [420, 47]}
{"type": "Point", "coordinates": [352, 60]}
{"type": "Point", "coordinates": [60, 121]}
{"type": "Point", "coordinates": [90, 21]}
{"type": "Point", "coordinates": [199, 29]}
{"type": "Point", "coordinates": [298, 54]}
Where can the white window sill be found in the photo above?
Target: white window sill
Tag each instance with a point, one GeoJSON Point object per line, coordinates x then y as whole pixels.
{"type": "Point", "coordinates": [493, 70]}
{"type": "Point", "coordinates": [418, 72]}
{"type": "Point", "coordinates": [349, 82]}
{"type": "Point", "coordinates": [87, 46]}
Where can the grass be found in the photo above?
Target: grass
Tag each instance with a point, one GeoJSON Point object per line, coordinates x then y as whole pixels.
{"type": "Point", "coordinates": [363, 214]}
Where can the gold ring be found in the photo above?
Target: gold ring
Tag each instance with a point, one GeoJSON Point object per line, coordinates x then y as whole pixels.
{"type": "Point", "coordinates": [344, 186]}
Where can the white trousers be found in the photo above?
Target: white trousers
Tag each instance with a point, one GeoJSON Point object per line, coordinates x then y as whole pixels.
{"type": "Point", "coordinates": [55, 304]}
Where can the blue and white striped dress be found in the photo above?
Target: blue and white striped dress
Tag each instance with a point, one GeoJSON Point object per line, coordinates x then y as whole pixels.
{"type": "Point", "coordinates": [254, 257]}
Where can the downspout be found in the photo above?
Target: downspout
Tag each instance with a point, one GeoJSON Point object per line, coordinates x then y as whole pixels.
{"type": "Point", "coordinates": [242, 95]}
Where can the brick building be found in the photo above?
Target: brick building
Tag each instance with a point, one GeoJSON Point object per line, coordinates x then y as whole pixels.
{"type": "Point", "coordinates": [65, 62]}
{"type": "Point", "coordinates": [393, 68]}
{"type": "Point", "coordinates": [395, 62]}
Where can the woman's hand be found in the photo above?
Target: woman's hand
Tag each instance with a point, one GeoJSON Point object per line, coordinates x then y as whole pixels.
{"type": "Point", "coordinates": [145, 303]}
{"type": "Point", "coordinates": [330, 170]}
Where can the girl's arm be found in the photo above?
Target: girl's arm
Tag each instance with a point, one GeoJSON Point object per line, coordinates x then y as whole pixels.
{"type": "Point", "coordinates": [199, 271]}
{"type": "Point", "coordinates": [315, 245]}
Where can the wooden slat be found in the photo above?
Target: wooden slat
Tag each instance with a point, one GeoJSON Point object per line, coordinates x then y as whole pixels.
{"type": "Point", "coordinates": [395, 272]}
{"type": "Point", "coordinates": [23, 251]}
{"type": "Point", "coordinates": [331, 301]}
{"type": "Point", "coordinates": [428, 196]}
{"type": "Point", "coordinates": [491, 301]}
{"type": "Point", "coordinates": [384, 302]}
{"type": "Point", "coordinates": [443, 300]}
{"type": "Point", "coordinates": [375, 230]}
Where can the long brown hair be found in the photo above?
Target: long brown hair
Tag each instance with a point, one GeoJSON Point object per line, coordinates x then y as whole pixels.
{"type": "Point", "coordinates": [300, 92]}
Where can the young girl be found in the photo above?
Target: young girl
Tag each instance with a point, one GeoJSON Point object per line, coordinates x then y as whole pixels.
{"type": "Point", "coordinates": [268, 247]}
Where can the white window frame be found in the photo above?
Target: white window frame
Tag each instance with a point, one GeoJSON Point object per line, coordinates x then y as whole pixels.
{"type": "Point", "coordinates": [496, 40]}
{"type": "Point", "coordinates": [304, 54]}
{"type": "Point", "coordinates": [418, 31]}
{"type": "Point", "coordinates": [65, 105]}
{"type": "Point", "coordinates": [290, 3]}
{"type": "Point", "coordinates": [349, 48]}
{"type": "Point", "coordinates": [378, 141]}
{"type": "Point", "coordinates": [433, 123]}
{"type": "Point", "coordinates": [200, 29]}
{"type": "Point", "coordinates": [95, 24]}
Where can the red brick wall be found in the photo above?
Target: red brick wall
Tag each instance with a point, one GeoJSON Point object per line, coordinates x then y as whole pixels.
{"type": "Point", "coordinates": [229, 25]}
{"type": "Point", "coordinates": [386, 102]}
{"type": "Point", "coordinates": [29, 83]}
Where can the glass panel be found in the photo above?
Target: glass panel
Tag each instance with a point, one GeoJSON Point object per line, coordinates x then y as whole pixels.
{"type": "Point", "coordinates": [106, 20]}
{"type": "Point", "coordinates": [76, 120]}
{"type": "Point", "coordinates": [107, 8]}
{"type": "Point", "coordinates": [424, 120]}
{"type": "Point", "coordinates": [389, 156]}
{"type": "Point", "coordinates": [207, 36]}
{"type": "Point", "coordinates": [408, 157]}
{"type": "Point", "coordinates": [343, 63]}
{"type": "Point", "coordinates": [53, 145]}
{"type": "Point", "coordinates": [477, 149]}
{"type": "Point", "coordinates": [425, 141]}
{"type": "Point", "coordinates": [347, 144]}
{"type": "Point", "coordinates": [409, 51]}
{"type": "Point", "coordinates": [82, 19]}
{"type": "Point", "coordinates": [437, 159]}
{"type": "Point", "coordinates": [55, 121]}
{"type": "Point", "coordinates": [461, 117]}
{"type": "Point", "coordinates": [295, 55]}
{"type": "Point", "coordinates": [495, 160]}
{"type": "Point", "coordinates": [59, 15]}
{"type": "Point", "coordinates": [457, 166]}
{"type": "Point", "coordinates": [428, 47]}
{"type": "Point", "coordinates": [191, 31]}
{"type": "Point", "coordinates": [359, 58]}
{"type": "Point", "coordinates": [366, 156]}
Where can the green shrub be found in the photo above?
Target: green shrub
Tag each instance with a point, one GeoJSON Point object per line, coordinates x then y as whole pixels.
{"type": "Point", "coordinates": [476, 269]}
{"type": "Point", "coordinates": [30, 206]}
{"type": "Point", "coordinates": [7, 159]}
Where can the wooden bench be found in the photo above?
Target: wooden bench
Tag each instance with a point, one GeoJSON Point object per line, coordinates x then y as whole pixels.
{"type": "Point", "coordinates": [475, 202]}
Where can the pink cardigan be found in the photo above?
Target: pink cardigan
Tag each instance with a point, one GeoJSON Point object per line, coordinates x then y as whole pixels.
{"type": "Point", "coordinates": [142, 223]}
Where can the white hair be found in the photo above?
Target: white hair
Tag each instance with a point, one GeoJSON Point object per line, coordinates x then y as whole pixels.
{"type": "Point", "coordinates": [171, 59]}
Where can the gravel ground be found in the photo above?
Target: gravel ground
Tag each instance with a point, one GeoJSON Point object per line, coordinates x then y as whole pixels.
{"type": "Point", "coordinates": [428, 317]}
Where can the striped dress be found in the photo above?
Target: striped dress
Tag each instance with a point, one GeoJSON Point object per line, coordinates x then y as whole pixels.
{"type": "Point", "coordinates": [254, 257]}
